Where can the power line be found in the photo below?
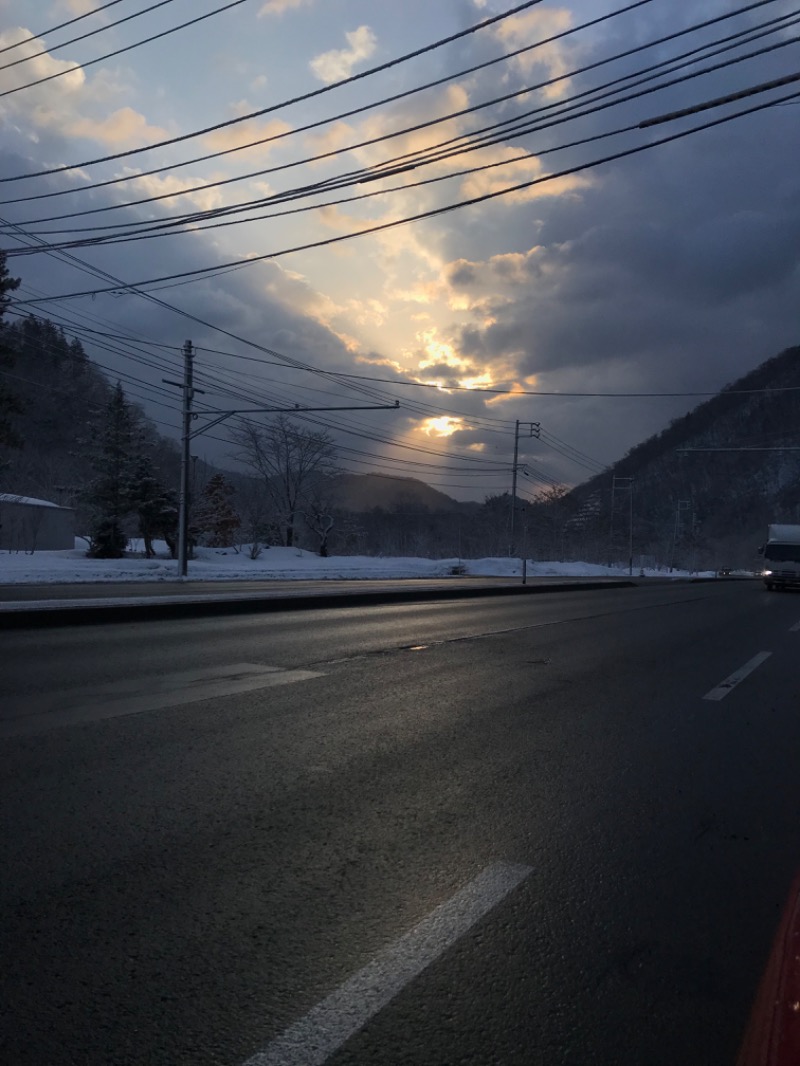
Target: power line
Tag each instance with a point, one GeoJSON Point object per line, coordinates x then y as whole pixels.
{"type": "Point", "coordinates": [60, 26]}
{"type": "Point", "coordinates": [285, 103]}
{"type": "Point", "coordinates": [119, 51]}
{"type": "Point", "coordinates": [355, 177]}
{"type": "Point", "coordinates": [199, 273]}
{"type": "Point", "coordinates": [335, 118]}
{"type": "Point", "coordinates": [82, 37]}
{"type": "Point", "coordinates": [169, 227]}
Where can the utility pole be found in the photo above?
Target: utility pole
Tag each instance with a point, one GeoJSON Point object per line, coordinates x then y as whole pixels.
{"type": "Point", "coordinates": [187, 395]}
{"type": "Point", "coordinates": [183, 502]}
{"type": "Point", "coordinates": [188, 435]}
{"type": "Point", "coordinates": [535, 430]}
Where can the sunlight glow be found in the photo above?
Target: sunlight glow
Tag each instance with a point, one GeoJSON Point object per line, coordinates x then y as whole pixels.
{"type": "Point", "coordinates": [441, 427]}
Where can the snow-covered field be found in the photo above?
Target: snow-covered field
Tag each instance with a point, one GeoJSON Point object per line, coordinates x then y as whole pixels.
{"type": "Point", "coordinates": [224, 564]}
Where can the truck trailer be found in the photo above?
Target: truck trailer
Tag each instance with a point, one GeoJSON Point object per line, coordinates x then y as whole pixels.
{"type": "Point", "coordinates": [782, 557]}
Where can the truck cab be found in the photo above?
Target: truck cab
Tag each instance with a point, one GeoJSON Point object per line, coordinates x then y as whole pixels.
{"type": "Point", "coordinates": [782, 557]}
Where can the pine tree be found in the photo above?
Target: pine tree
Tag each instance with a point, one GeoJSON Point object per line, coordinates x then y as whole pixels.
{"type": "Point", "coordinates": [215, 518]}
{"type": "Point", "coordinates": [9, 403]}
{"type": "Point", "coordinates": [110, 495]}
{"type": "Point", "coordinates": [155, 507]}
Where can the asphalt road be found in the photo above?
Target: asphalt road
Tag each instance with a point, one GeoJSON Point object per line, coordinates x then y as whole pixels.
{"type": "Point", "coordinates": [512, 831]}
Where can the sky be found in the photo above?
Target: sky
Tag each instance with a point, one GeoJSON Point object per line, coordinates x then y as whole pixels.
{"type": "Point", "coordinates": [532, 250]}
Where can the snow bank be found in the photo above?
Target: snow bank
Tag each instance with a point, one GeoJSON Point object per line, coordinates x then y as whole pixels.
{"type": "Point", "coordinates": [284, 564]}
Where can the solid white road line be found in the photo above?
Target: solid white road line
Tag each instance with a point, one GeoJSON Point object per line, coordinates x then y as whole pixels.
{"type": "Point", "coordinates": [724, 687]}
{"type": "Point", "coordinates": [313, 1039]}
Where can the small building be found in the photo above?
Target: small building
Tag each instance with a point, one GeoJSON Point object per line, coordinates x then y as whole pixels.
{"type": "Point", "coordinates": [29, 525]}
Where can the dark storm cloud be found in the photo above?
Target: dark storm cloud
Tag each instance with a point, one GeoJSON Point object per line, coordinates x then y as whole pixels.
{"type": "Point", "coordinates": [664, 264]}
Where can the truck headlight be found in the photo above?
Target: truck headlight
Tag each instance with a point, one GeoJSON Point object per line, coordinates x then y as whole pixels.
{"type": "Point", "coordinates": [767, 573]}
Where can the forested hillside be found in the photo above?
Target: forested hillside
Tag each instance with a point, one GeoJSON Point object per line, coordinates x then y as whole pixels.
{"type": "Point", "coordinates": [704, 488]}
{"type": "Point", "coordinates": [63, 407]}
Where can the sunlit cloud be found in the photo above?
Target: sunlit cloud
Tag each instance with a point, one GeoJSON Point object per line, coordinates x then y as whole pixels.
{"type": "Point", "coordinates": [279, 7]}
{"type": "Point", "coordinates": [244, 133]}
{"type": "Point", "coordinates": [529, 26]}
{"type": "Point", "coordinates": [439, 353]}
{"type": "Point", "coordinates": [121, 128]}
{"type": "Point", "coordinates": [153, 185]}
{"type": "Point", "coordinates": [517, 172]}
{"type": "Point", "coordinates": [445, 426]}
{"type": "Point", "coordinates": [71, 77]}
{"type": "Point", "coordinates": [78, 7]}
{"type": "Point", "coordinates": [339, 63]}
{"type": "Point", "coordinates": [69, 106]}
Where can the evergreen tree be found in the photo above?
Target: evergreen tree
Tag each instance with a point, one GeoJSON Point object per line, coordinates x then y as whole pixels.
{"type": "Point", "coordinates": [215, 518]}
{"type": "Point", "coordinates": [9, 403]}
{"type": "Point", "coordinates": [110, 495]}
{"type": "Point", "coordinates": [155, 507]}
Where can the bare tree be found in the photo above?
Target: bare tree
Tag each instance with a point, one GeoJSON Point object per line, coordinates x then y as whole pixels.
{"type": "Point", "coordinates": [292, 463]}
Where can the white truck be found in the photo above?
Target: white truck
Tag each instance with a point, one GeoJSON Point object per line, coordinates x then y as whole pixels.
{"type": "Point", "coordinates": [782, 557]}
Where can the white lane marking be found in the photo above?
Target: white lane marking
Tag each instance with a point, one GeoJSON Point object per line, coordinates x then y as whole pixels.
{"type": "Point", "coordinates": [313, 1039]}
{"type": "Point", "coordinates": [795, 628]}
{"type": "Point", "coordinates": [724, 687]}
{"type": "Point", "coordinates": [150, 693]}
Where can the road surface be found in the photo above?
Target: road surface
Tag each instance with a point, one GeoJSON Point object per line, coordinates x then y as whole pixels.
{"type": "Point", "coordinates": [557, 829]}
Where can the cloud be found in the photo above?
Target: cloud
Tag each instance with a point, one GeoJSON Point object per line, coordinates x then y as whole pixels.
{"type": "Point", "coordinates": [529, 26]}
{"type": "Point", "coordinates": [68, 106]}
{"type": "Point", "coordinates": [279, 7]}
{"type": "Point", "coordinates": [339, 63]}
{"type": "Point", "coordinates": [153, 185]}
{"type": "Point", "coordinates": [37, 66]}
{"type": "Point", "coordinates": [79, 7]}
{"type": "Point", "coordinates": [119, 129]}
{"type": "Point", "coordinates": [517, 170]}
{"type": "Point", "coordinates": [244, 133]}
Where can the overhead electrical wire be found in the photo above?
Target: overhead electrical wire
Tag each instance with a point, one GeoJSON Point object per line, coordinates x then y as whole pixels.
{"type": "Point", "coordinates": [60, 26]}
{"type": "Point", "coordinates": [751, 33]}
{"type": "Point", "coordinates": [192, 220]}
{"type": "Point", "coordinates": [347, 114]}
{"type": "Point", "coordinates": [189, 224]}
{"type": "Point", "coordinates": [200, 272]}
{"type": "Point", "coordinates": [278, 398]}
{"type": "Point", "coordinates": [84, 36]}
{"type": "Point", "coordinates": [286, 103]}
{"type": "Point", "coordinates": [405, 383]}
{"type": "Point", "coordinates": [119, 51]}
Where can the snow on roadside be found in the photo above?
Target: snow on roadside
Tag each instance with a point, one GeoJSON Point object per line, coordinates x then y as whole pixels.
{"type": "Point", "coordinates": [284, 564]}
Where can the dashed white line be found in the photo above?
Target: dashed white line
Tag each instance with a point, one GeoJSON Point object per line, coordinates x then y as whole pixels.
{"type": "Point", "coordinates": [312, 1040]}
{"type": "Point", "coordinates": [730, 683]}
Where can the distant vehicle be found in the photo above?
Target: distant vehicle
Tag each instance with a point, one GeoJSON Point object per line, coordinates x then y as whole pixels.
{"type": "Point", "coordinates": [724, 571]}
{"type": "Point", "coordinates": [782, 557]}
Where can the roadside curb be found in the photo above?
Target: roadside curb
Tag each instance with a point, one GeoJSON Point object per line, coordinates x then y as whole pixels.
{"type": "Point", "coordinates": [32, 617]}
